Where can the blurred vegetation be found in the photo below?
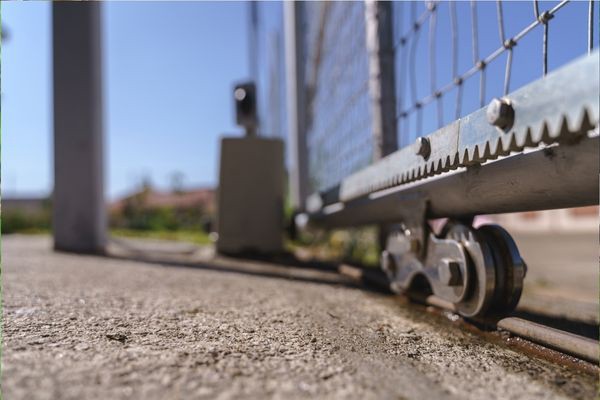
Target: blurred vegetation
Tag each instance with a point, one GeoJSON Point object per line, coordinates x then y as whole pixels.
{"type": "Point", "coordinates": [138, 218]}
{"type": "Point", "coordinates": [22, 221]}
{"type": "Point", "coordinates": [137, 215]}
{"type": "Point", "coordinates": [135, 218]}
{"type": "Point", "coordinates": [192, 236]}
{"type": "Point", "coordinates": [354, 246]}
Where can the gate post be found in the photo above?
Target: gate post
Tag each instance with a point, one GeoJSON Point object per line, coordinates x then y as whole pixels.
{"type": "Point", "coordinates": [294, 63]}
{"type": "Point", "coordinates": [380, 49]}
{"type": "Point", "coordinates": [79, 216]}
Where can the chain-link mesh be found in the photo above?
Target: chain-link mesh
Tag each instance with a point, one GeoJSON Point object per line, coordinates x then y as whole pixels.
{"type": "Point", "coordinates": [449, 59]}
{"type": "Point", "coordinates": [449, 54]}
{"type": "Point", "coordinates": [338, 137]}
{"type": "Point", "coordinates": [267, 66]}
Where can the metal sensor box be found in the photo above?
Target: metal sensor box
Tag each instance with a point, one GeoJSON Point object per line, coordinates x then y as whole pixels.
{"type": "Point", "coordinates": [250, 195]}
{"type": "Point", "coordinates": [244, 95]}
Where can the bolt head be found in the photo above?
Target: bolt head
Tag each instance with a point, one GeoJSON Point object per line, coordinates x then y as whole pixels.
{"type": "Point", "coordinates": [449, 273]}
{"type": "Point", "coordinates": [423, 147]}
{"type": "Point", "coordinates": [500, 113]}
{"type": "Point", "coordinates": [240, 94]}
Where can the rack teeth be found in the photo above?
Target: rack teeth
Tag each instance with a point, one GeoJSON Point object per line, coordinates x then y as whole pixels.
{"type": "Point", "coordinates": [552, 110]}
{"type": "Point", "coordinates": [564, 128]}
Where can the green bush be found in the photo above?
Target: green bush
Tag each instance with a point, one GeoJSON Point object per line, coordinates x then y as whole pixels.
{"type": "Point", "coordinates": [135, 215]}
{"type": "Point", "coordinates": [357, 246]}
{"type": "Point", "coordinates": [21, 222]}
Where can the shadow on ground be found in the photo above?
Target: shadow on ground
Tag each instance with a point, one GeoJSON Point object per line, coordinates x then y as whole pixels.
{"type": "Point", "coordinates": [287, 266]}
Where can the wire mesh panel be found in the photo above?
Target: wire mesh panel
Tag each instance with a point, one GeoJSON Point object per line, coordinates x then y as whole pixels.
{"type": "Point", "coordinates": [453, 57]}
{"type": "Point", "coordinates": [267, 66]}
{"type": "Point", "coordinates": [338, 133]}
{"type": "Point", "coordinates": [449, 59]}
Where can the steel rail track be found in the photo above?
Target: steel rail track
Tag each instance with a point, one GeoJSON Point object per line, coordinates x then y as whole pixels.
{"type": "Point", "coordinates": [565, 342]}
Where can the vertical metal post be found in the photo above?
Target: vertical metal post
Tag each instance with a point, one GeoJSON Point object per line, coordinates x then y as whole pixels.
{"type": "Point", "coordinates": [294, 60]}
{"type": "Point", "coordinates": [275, 75]}
{"type": "Point", "coordinates": [79, 216]}
{"type": "Point", "coordinates": [380, 48]}
{"type": "Point", "coordinates": [253, 40]}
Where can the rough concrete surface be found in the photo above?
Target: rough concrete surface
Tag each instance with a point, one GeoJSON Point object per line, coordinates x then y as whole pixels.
{"type": "Point", "coordinates": [86, 327]}
{"type": "Point", "coordinates": [562, 276]}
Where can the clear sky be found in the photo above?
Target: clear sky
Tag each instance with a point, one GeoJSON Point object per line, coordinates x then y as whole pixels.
{"type": "Point", "coordinates": [169, 69]}
{"type": "Point", "coordinates": [567, 40]}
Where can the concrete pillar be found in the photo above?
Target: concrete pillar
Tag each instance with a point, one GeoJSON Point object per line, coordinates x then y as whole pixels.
{"type": "Point", "coordinates": [79, 216]}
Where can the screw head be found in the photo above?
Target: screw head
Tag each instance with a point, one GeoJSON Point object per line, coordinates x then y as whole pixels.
{"type": "Point", "coordinates": [500, 113]}
{"type": "Point", "coordinates": [449, 272]}
{"type": "Point", "coordinates": [423, 147]}
{"type": "Point", "coordinates": [239, 94]}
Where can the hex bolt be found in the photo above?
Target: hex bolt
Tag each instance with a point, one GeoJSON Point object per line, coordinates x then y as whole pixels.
{"type": "Point", "coordinates": [500, 113]}
{"type": "Point", "coordinates": [424, 147]}
{"type": "Point", "coordinates": [449, 272]}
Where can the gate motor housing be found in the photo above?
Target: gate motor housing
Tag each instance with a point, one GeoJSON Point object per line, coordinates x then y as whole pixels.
{"type": "Point", "coordinates": [251, 185]}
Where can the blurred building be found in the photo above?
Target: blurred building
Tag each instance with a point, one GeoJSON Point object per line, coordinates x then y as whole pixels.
{"type": "Point", "coordinates": [24, 205]}
{"type": "Point", "coordinates": [150, 209]}
{"type": "Point", "coordinates": [573, 220]}
{"type": "Point", "coordinates": [203, 198]}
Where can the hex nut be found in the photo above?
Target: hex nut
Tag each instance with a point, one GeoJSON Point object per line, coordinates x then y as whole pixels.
{"type": "Point", "coordinates": [449, 272]}
{"type": "Point", "coordinates": [500, 113]}
{"type": "Point", "coordinates": [424, 147]}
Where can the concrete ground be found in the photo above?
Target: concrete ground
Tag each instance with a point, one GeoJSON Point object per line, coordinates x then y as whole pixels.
{"type": "Point", "coordinates": [85, 327]}
{"type": "Point", "coordinates": [563, 276]}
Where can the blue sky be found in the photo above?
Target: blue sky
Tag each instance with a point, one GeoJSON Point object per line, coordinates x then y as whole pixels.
{"type": "Point", "coordinates": [567, 40]}
{"type": "Point", "coordinates": [169, 69]}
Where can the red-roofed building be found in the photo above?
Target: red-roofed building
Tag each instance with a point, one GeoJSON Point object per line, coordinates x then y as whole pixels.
{"type": "Point", "coordinates": [152, 209]}
{"type": "Point", "coordinates": [203, 198]}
